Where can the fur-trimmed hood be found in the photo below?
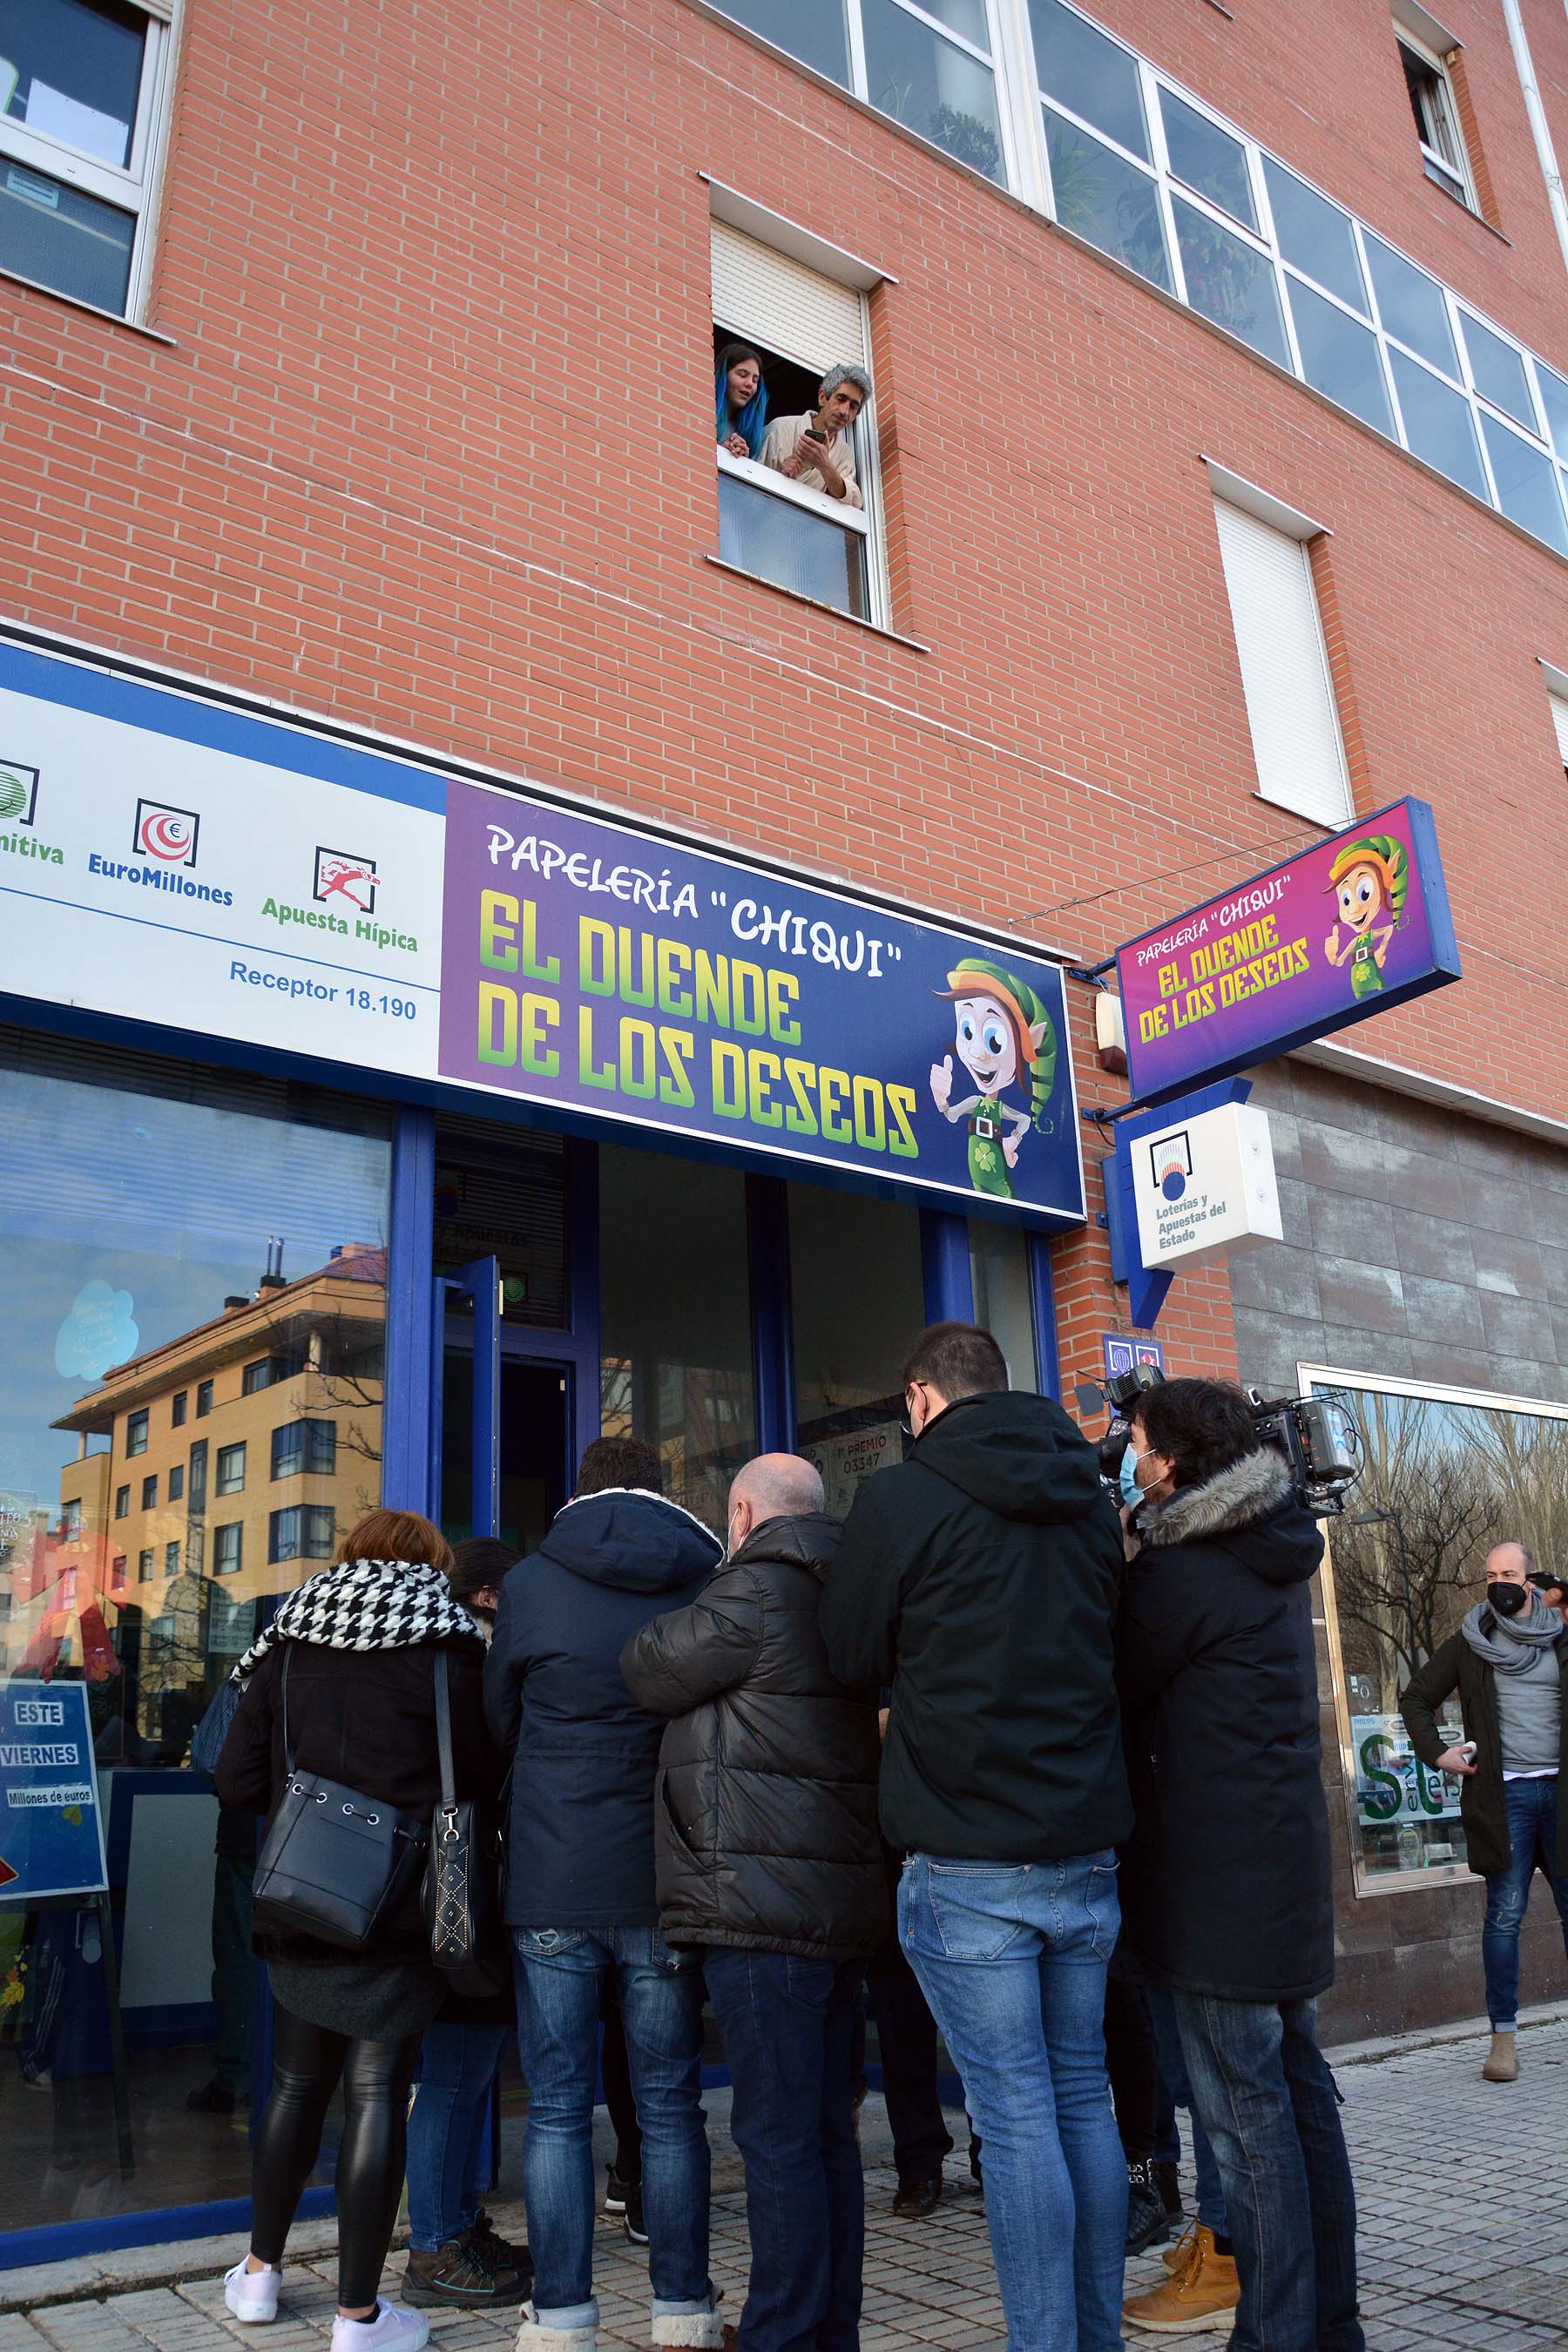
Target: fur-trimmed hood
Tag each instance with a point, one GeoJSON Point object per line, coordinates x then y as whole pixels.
{"type": "Point", "coordinates": [1250, 1491]}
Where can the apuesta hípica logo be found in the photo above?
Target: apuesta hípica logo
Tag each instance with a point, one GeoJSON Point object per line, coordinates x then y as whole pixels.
{"type": "Point", "coordinates": [343, 875]}
{"type": "Point", "coordinates": [1171, 1159]}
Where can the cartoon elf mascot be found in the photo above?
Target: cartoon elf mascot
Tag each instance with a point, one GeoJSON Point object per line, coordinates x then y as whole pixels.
{"type": "Point", "coordinates": [1372, 879]}
{"type": "Point", "coordinates": [1004, 1036]}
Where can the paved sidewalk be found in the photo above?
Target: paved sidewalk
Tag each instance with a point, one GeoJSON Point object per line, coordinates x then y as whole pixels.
{"type": "Point", "coordinates": [1464, 2236]}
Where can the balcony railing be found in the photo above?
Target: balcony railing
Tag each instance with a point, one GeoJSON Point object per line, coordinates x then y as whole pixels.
{"type": "Point", "coordinates": [798, 539]}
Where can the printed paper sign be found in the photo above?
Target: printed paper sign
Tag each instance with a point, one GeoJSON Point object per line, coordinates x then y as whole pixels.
{"type": "Point", "coordinates": [51, 1823]}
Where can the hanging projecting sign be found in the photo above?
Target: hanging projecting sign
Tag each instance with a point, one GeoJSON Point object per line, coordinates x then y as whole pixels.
{"type": "Point", "coordinates": [1205, 1187]}
{"type": "Point", "coordinates": [1350, 928]}
{"type": "Point", "coordinates": [177, 862]}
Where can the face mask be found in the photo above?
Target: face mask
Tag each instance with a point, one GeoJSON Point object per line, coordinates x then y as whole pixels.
{"type": "Point", "coordinates": [1131, 1492]}
{"type": "Point", "coordinates": [1508, 1600]}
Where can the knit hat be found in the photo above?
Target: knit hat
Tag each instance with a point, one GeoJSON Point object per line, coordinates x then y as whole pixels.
{"type": "Point", "coordinates": [976, 976]}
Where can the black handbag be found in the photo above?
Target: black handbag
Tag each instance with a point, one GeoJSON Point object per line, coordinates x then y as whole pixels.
{"type": "Point", "coordinates": [334, 1864]}
{"type": "Point", "coordinates": [462, 1878]}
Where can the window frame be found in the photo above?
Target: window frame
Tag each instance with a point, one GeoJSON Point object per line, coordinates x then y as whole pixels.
{"type": "Point", "coordinates": [122, 1502]}
{"type": "Point", "coordinates": [150, 1491]}
{"type": "Point", "coordinates": [1456, 179]}
{"type": "Point", "coordinates": [203, 1399]}
{"type": "Point", "coordinates": [135, 1434]}
{"type": "Point", "coordinates": [136, 186]}
{"type": "Point", "coordinates": [222, 1567]}
{"type": "Point", "coordinates": [146, 1569]}
{"type": "Point", "coordinates": [179, 1407]}
{"type": "Point", "coordinates": [220, 1477]}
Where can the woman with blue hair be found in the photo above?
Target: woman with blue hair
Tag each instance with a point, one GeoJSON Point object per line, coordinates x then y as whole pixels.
{"type": "Point", "coordinates": [739, 401]}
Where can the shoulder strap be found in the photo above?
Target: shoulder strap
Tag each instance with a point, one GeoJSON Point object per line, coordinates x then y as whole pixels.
{"type": "Point", "coordinates": [288, 1750]}
{"type": "Point", "coordinates": [444, 1735]}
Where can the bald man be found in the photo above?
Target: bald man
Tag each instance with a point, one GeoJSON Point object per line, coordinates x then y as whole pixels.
{"type": "Point", "coordinates": [769, 1858]}
{"type": "Point", "coordinates": [1508, 1662]}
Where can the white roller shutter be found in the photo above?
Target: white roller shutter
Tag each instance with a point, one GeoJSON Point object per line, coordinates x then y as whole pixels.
{"type": "Point", "coordinates": [783, 305]}
{"type": "Point", "coordinates": [1284, 668]}
{"type": "Point", "coordinates": [1559, 720]}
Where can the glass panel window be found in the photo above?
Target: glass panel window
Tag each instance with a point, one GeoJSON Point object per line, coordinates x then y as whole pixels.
{"type": "Point", "coordinates": [929, 84]}
{"type": "Point", "coordinates": [228, 1549]}
{"type": "Point", "coordinates": [149, 1494]}
{"type": "Point", "coordinates": [203, 1398]}
{"type": "Point", "coordinates": [1340, 356]}
{"type": "Point", "coordinates": [283, 1534]}
{"type": "Point", "coordinates": [1498, 371]}
{"type": "Point", "coordinates": [257, 1376]}
{"type": "Point", "coordinates": [63, 237]}
{"type": "Point", "coordinates": [116, 1573]}
{"type": "Point", "coordinates": [122, 1502]}
{"type": "Point", "coordinates": [1314, 234]}
{"type": "Point", "coordinates": [176, 1482]}
{"type": "Point", "coordinates": [70, 1522]}
{"type": "Point", "coordinates": [177, 1410]}
{"type": "Point", "coordinates": [858, 1298]}
{"type": "Point", "coordinates": [1090, 74]}
{"type": "Point", "coordinates": [790, 544]}
{"type": "Point", "coordinates": [1107, 201]}
{"type": "Point", "coordinates": [136, 1433]}
{"type": "Point", "coordinates": [75, 69]}
{"type": "Point", "coordinates": [1439, 425]}
{"type": "Point", "coordinates": [320, 1448]}
{"type": "Point", "coordinates": [135, 1197]}
{"type": "Point", "coordinates": [675, 1324]}
{"type": "Point", "coordinates": [1436, 120]}
{"type": "Point", "coordinates": [1411, 305]}
{"type": "Point", "coordinates": [1527, 484]}
{"type": "Point", "coordinates": [1004, 1302]}
{"type": "Point", "coordinates": [1554, 401]}
{"type": "Point", "coordinates": [1230, 282]}
{"type": "Point", "coordinates": [1208, 158]}
{"type": "Point", "coordinates": [230, 1479]}
{"type": "Point", "coordinates": [289, 1450]}
{"type": "Point", "coordinates": [812, 30]}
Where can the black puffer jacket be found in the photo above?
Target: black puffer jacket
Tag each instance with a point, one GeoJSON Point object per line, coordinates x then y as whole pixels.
{"type": "Point", "coordinates": [766, 1805]}
{"type": "Point", "coordinates": [1224, 1885]}
{"type": "Point", "coordinates": [979, 1578]}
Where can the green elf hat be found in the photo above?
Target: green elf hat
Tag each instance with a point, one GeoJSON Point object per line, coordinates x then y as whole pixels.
{"type": "Point", "coordinates": [1032, 1028]}
{"type": "Point", "coordinates": [1388, 861]}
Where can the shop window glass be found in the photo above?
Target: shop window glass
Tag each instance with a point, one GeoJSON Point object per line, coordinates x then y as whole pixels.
{"type": "Point", "coordinates": [1208, 158]}
{"type": "Point", "coordinates": [1230, 282]}
{"type": "Point", "coordinates": [1107, 201]}
{"type": "Point", "coordinates": [1314, 235]}
{"type": "Point", "coordinates": [858, 1300]}
{"type": "Point", "coordinates": [1089, 74]}
{"type": "Point", "coordinates": [1440, 425]}
{"type": "Point", "coordinates": [1339, 357]}
{"type": "Point", "coordinates": [675, 1319]}
{"type": "Point", "coordinates": [137, 1195]}
{"type": "Point", "coordinates": [1444, 1482]}
{"type": "Point", "coordinates": [1004, 1304]}
{"type": "Point", "coordinates": [230, 1479]}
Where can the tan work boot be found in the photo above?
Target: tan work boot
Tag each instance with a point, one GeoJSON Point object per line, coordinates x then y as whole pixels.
{"type": "Point", "coordinates": [1194, 2300]}
{"type": "Point", "coordinates": [1177, 2257]}
{"type": "Point", "coordinates": [1502, 2060]}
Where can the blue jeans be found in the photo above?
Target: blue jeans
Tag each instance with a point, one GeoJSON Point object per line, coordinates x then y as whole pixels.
{"type": "Point", "coordinates": [1174, 2075]}
{"type": "Point", "coordinates": [1011, 1957]}
{"type": "Point", "coordinates": [788, 2026]}
{"type": "Point", "coordinates": [1532, 1839]}
{"type": "Point", "coordinates": [558, 1971]}
{"type": "Point", "coordinates": [446, 2126]}
{"type": "Point", "coordinates": [1266, 2097]}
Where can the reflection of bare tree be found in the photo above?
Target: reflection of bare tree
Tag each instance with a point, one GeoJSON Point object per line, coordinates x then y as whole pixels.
{"type": "Point", "coordinates": [1526, 1464]}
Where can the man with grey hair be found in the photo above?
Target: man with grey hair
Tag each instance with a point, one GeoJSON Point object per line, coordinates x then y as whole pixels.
{"type": "Point", "coordinates": [815, 449]}
{"type": "Point", "coordinates": [769, 1859]}
{"type": "Point", "coordinates": [1508, 1662]}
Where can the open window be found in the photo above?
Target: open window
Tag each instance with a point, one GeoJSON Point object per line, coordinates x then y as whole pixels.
{"type": "Point", "coordinates": [792, 530]}
{"type": "Point", "coordinates": [1436, 114]}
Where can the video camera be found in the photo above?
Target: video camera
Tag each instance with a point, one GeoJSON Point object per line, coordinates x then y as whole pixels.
{"type": "Point", "coordinates": [1318, 1438]}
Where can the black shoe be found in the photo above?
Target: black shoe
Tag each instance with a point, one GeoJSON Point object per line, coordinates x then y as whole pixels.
{"type": "Point", "coordinates": [917, 2200]}
{"type": "Point", "coordinates": [212, 2099]}
{"type": "Point", "coordinates": [1148, 2223]}
{"type": "Point", "coordinates": [501, 2253]}
{"type": "Point", "coordinates": [632, 2222]}
{"type": "Point", "coordinates": [457, 2277]}
{"type": "Point", "coordinates": [615, 2191]}
{"type": "Point", "coordinates": [1169, 2182]}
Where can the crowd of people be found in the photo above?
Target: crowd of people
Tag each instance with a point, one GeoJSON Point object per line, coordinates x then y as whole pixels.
{"type": "Point", "coordinates": [1033, 1769]}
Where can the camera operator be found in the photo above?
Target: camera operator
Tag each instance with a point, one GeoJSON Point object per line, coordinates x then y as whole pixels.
{"type": "Point", "coordinates": [1508, 1662]}
{"type": "Point", "coordinates": [1226, 1889]}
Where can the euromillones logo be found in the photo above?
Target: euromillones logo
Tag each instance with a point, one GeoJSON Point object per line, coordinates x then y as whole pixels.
{"type": "Point", "coordinates": [167, 833]}
{"type": "Point", "coordinates": [343, 875]}
{"type": "Point", "coordinates": [18, 792]}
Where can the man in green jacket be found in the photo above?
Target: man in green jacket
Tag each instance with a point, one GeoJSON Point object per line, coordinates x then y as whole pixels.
{"type": "Point", "coordinates": [1508, 1662]}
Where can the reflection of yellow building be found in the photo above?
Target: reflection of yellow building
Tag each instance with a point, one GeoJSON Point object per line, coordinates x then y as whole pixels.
{"type": "Point", "coordinates": [237, 1455]}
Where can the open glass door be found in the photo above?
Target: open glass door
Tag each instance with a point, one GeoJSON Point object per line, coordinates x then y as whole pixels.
{"type": "Point", "coordinates": [501, 1418]}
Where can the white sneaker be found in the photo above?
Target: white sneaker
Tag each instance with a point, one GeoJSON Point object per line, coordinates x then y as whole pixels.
{"type": "Point", "coordinates": [395, 2329]}
{"type": "Point", "coordinates": [252, 2295]}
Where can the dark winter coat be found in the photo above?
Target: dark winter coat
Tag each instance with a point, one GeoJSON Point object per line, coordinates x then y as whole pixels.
{"type": "Point", "coordinates": [1224, 1883]}
{"type": "Point", "coordinates": [1482, 1807]}
{"type": "Point", "coordinates": [366, 1717]}
{"type": "Point", "coordinates": [979, 1579]}
{"type": "Point", "coordinates": [580, 1834]}
{"type": "Point", "coordinates": [766, 1807]}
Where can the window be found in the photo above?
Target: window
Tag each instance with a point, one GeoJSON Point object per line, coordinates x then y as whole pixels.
{"type": "Point", "coordinates": [256, 1376]}
{"type": "Point", "coordinates": [931, 67]}
{"type": "Point", "coordinates": [1284, 667]}
{"type": "Point", "coordinates": [198, 1501]}
{"type": "Point", "coordinates": [302, 1446]}
{"type": "Point", "coordinates": [228, 1549]}
{"type": "Point", "coordinates": [171, 1560]}
{"type": "Point", "coordinates": [144, 1566]}
{"type": "Point", "coordinates": [1004, 1297]}
{"type": "Point", "coordinates": [177, 1408]}
{"type": "Point", "coordinates": [82, 86]}
{"type": "Point", "coordinates": [303, 1531]}
{"type": "Point", "coordinates": [1436, 117]}
{"type": "Point", "coordinates": [799, 323]}
{"type": "Point", "coordinates": [1559, 703]}
{"type": "Point", "coordinates": [176, 1482]}
{"type": "Point", "coordinates": [851, 1335]}
{"type": "Point", "coordinates": [230, 1479]}
{"type": "Point", "coordinates": [70, 1521]}
{"type": "Point", "coordinates": [203, 1399]}
{"type": "Point", "coordinates": [136, 1433]}
{"type": "Point", "coordinates": [150, 1494]}
{"type": "Point", "coordinates": [116, 1573]}
{"type": "Point", "coordinates": [122, 1502]}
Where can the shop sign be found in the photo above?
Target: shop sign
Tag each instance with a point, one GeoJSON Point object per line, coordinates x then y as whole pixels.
{"type": "Point", "coordinates": [1205, 1187]}
{"type": "Point", "coordinates": [178, 862]}
{"type": "Point", "coordinates": [51, 1824]}
{"type": "Point", "coordinates": [1392, 1784]}
{"type": "Point", "coordinates": [1121, 1354]}
{"type": "Point", "coordinates": [1350, 928]}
